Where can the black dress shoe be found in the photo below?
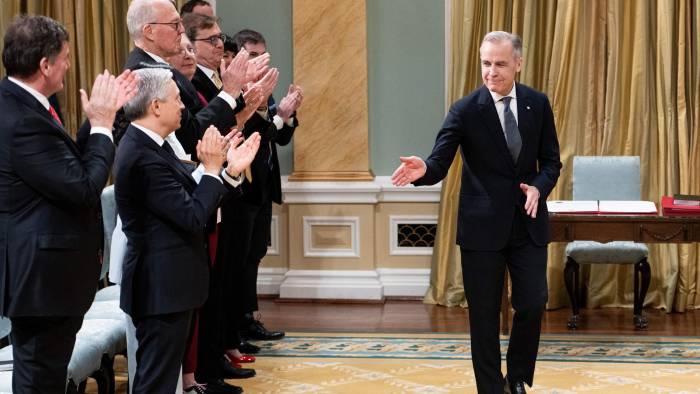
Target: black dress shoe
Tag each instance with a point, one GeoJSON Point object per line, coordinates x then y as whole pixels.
{"type": "Point", "coordinates": [218, 386]}
{"type": "Point", "coordinates": [229, 372]}
{"type": "Point", "coordinates": [256, 330]}
{"type": "Point", "coordinates": [248, 348]}
{"type": "Point", "coordinates": [514, 387]}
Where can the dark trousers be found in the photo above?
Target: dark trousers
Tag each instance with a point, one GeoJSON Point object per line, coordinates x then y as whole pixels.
{"type": "Point", "coordinates": [162, 340]}
{"type": "Point", "coordinates": [244, 235]}
{"type": "Point", "coordinates": [250, 236]}
{"type": "Point", "coordinates": [41, 350]}
{"type": "Point", "coordinates": [483, 274]}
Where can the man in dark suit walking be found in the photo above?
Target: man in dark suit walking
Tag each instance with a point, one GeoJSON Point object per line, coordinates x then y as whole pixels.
{"type": "Point", "coordinates": [49, 190]}
{"type": "Point", "coordinates": [164, 212]}
{"type": "Point", "coordinates": [511, 163]}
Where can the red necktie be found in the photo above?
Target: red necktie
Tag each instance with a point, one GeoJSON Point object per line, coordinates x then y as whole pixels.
{"type": "Point", "coordinates": [55, 115]}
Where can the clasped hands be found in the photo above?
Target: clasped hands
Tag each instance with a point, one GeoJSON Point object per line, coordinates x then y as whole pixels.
{"type": "Point", "coordinates": [213, 150]}
{"type": "Point", "coordinates": [413, 168]}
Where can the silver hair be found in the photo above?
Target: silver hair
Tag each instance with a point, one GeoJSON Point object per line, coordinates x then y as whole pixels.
{"type": "Point", "coordinates": [153, 84]}
{"type": "Point", "coordinates": [500, 36]}
{"type": "Point", "coordinates": [140, 13]}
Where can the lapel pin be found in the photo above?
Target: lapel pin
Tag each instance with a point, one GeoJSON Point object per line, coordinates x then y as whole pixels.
{"type": "Point", "coordinates": [528, 107]}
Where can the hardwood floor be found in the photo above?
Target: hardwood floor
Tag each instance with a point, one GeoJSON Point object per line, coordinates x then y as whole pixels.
{"type": "Point", "coordinates": [414, 316]}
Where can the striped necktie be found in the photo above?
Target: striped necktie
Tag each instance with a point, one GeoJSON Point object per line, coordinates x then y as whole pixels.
{"type": "Point", "coordinates": [513, 139]}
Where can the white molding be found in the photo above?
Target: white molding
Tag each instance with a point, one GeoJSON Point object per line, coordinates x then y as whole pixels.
{"type": "Point", "coordinates": [329, 192]}
{"type": "Point", "coordinates": [274, 248]}
{"type": "Point", "coordinates": [404, 282]}
{"type": "Point", "coordinates": [394, 248]}
{"type": "Point", "coordinates": [270, 279]}
{"type": "Point", "coordinates": [332, 284]}
{"type": "Point", "coordinates": [391, 193]}
{"type": "Point", "coordinates": [350, 221]}
{"type": "Point", "coordinates": [379, 190]}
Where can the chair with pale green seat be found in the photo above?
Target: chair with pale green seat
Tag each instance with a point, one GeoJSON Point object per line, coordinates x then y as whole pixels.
{"type": "Point", "coordinates": [607, 178]}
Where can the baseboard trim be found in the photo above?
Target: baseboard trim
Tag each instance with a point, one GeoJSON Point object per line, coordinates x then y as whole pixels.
{"type": "Point", "coordinates": [331, 284]}
{"type": "Point", "coordinates": [404, 282]}
{"type": "Point", "coordinates": [270, 279]}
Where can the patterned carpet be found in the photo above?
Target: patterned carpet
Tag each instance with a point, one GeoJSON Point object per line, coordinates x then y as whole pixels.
{"type": "Point", "coordinates": [415, 363]}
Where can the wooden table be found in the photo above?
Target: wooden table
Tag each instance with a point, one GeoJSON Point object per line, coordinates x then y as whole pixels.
{"type": "Point", "coordinates": [637, 228]}
{"type": "Point", "coordinates": [604, 228]}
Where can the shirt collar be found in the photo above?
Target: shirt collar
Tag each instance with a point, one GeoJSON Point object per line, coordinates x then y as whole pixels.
{"type": "Point", "coordinates": [208, 71]}
{"type": "Point", "coordinates": [156, 58]}
{"type": "Point", "coordinates": [42, 99]}
{"type": "Point", "coordinates": [150, 133]}
{"type": "Point", "coordinates": [497, 97]}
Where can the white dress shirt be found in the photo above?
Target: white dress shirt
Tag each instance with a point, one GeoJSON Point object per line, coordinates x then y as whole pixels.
{"type": "Point", "coordinates": [500, 106]}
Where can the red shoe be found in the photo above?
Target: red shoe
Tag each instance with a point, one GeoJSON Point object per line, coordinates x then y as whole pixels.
{"type": "Point", "coordinates": [245, 358]}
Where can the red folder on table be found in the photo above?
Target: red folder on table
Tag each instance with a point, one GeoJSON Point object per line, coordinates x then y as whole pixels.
{"type": "Point", "coordinates": [669, 208]}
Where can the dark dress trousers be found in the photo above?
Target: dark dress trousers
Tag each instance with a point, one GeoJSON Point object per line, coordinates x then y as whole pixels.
{"type": "Point", "coordinates": [493, 231]}
{"type": "Point", "coordinates": [166, 273]}
{"type": "Point", "coordinates": [49, 235]}
{"type": "Point", "coordinates": [246, 221]}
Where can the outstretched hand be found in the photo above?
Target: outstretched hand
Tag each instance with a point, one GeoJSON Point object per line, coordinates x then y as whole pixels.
{"type": "Point", "coordinates": [411, 169]}
{"type": "Point", "coordinates": [532, 199]}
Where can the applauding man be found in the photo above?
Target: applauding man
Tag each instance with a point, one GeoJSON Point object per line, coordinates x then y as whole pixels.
{"type": "Point", "coordinates": [165, 274]}
{"type": "Point", "coordinates": [49, 192]}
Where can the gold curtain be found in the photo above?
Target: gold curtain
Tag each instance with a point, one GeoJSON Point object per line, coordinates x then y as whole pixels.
{"type": "Point", "coordinates": [624, 79]}
{"type": "Point", "coordinates": [98, 40]}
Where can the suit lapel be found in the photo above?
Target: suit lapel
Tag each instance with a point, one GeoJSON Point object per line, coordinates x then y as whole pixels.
{"type": "Point", "coordinates": [487, 110]}
{"type": "Point", "coordinates": [35, 106]}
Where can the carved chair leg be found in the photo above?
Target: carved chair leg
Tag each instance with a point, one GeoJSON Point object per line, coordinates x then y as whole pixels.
{"type": "Point", "coordinates": [573, 286]}
{"type": "Point", "coordinates": [642, 278]}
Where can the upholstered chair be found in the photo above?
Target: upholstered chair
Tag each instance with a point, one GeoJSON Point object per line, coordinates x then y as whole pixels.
{"type": "Point", "coordinates": [607, 178]}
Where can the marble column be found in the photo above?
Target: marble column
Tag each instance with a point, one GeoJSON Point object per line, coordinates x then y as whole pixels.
{"type": "Point", "coordinates": [330, 63]}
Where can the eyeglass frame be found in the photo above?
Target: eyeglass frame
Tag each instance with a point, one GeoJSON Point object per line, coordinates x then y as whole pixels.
{"type": "Point", "coordinates": [212, 39]}
{"type": "Point", "coordinates": [174, 25]}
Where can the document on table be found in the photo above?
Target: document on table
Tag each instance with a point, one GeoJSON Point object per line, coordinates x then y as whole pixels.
{"type": "Point", "coordinates": [626, 207]}
{"type": "Point", "coordinates": [603, 206]}
{"type": "Point", "coordinates": [570, 206]}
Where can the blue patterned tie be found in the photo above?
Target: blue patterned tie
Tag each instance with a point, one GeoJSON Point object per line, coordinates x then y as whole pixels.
{"type": "Point", "coordinates": [512, 133]}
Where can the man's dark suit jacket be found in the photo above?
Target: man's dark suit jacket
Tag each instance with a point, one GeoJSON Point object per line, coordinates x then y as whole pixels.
{"type": "Point", "coordinates": [490, 191]}
{"type": "Point", "coordinates": [164, 212]}
{"type": "Point", "coordinates": [204, 85]}
{"type": "Point", "coordinates": [265, 168]}
{"type": "Point", "coordinates": [49, 191]}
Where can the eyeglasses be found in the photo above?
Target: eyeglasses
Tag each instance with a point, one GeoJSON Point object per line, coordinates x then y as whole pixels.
{"type": "Point", "coordinates": [212, 40]}
{"type": "Point", "coordinates": [174, 25]}
{"type": "Point", "coordinates": [190, 51]}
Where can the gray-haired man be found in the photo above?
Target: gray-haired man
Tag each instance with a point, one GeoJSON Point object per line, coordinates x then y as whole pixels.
{"type": "Point", "coordinates": [164, 212]}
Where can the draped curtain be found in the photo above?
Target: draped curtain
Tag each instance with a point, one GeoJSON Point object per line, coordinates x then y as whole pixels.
{"type": "Point", "coordinates": [623, 79]}
{"type": "Point", "coordinates": [98, 40]}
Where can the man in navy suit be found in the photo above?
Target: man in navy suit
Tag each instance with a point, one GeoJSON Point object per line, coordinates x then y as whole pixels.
{"type": "Point", "coordinates": [164, 211]}
{"type": "Point", "coordinates": [49, 191]}
{"type": "Point", "coordinates": [511, 163]}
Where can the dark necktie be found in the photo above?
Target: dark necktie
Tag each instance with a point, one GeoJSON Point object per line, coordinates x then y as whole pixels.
{"type": "Point", "coordinates": [54, 115]}
{"type": "Point", "coordinates": [168, 148]}
{"type": "Point", "coordinates": [512, 133]}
